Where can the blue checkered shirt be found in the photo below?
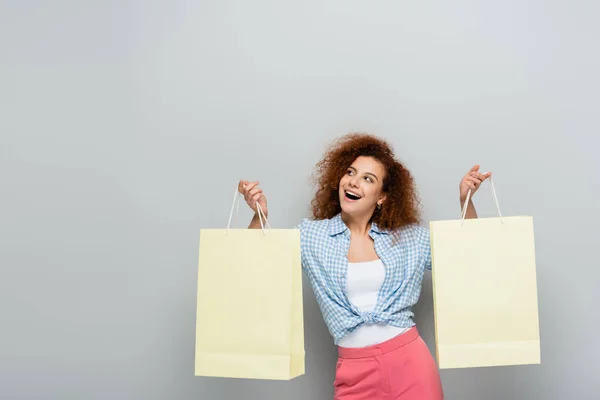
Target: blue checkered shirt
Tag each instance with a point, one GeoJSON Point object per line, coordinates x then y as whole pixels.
{"type": "Point", "coordinates": [405, 253]}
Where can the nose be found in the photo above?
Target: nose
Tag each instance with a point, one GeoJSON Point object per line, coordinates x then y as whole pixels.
{"type": "Point", "coordinates": [354, 181]}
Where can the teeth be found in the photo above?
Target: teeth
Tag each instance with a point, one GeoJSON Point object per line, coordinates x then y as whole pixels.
{"type": "Point", "coordinates": [354, 194]}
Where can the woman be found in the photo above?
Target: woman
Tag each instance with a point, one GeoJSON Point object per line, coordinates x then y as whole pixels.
{"type": "Point", "coordinates": [365, 256]}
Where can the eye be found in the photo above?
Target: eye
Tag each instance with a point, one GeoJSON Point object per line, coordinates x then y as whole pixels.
{"type": "Point", "coordinates": [369, 179]}
{"type": "Point", "coordinates": [349, 172]}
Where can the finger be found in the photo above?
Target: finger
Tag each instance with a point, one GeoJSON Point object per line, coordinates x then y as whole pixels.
{"type": "Point", "coordinates": [242, 185]}
{"type": "Point", "coordinates": [255, 199]}
{"type": "Point", "coordinates": [475, 168]}
{"type": "Point", "coordinates": [254, 192]}
{"type": "Point", "coordinates": [249, 186]}
{"type": "Point", "coordinates": [473, 179]}
{"type": "Point", "coordinates": [472, 183]}
{"type": "Point", "coordinates": [479, 176]}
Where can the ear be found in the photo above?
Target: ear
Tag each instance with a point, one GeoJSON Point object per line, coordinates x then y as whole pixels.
{"type": "Point", "coordinates": [382, 199]}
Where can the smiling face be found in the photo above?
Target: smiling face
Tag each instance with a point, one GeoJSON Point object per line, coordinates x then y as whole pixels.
{"type": "Point", "coordinates": [361, 188]}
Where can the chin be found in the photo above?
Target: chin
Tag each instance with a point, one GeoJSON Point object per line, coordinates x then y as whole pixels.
{"type": "Point", "coordinates": [350, 209]}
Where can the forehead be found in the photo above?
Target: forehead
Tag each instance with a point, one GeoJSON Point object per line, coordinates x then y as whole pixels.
{"type": "Point", "coordinates": [368, 164]}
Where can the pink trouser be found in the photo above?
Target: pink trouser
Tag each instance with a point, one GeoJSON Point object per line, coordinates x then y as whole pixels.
{"type": "Point", "coordinates": [400, 369]}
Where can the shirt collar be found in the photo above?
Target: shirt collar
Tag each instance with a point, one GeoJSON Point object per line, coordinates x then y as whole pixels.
{"type": "Point", "coordinates": [336, 226]}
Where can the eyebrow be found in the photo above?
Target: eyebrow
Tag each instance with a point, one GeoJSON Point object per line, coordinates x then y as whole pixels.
{"type": "Point", "coordinates": [366, 173]}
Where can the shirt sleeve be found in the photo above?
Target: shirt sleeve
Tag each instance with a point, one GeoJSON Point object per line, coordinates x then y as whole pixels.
{"type": "Point", "coordinates": [426, 249]}
{"type": "Point", "coordinates": [303, 226]}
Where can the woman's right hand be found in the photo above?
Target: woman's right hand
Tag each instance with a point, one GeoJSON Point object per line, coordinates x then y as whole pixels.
{"type": "Point", "coordinates": [253, 194]}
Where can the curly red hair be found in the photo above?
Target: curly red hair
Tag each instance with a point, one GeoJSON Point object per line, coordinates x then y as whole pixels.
{"type": "Point", "coordinates": [402, 206]}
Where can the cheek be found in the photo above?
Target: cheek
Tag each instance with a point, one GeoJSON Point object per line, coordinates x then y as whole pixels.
{"type": "Point", "coordinates": [369, 191]}
{"type": "Point", "coordinates": [372, 192]}
{"type": "Point", "coordinates": [341, 187]}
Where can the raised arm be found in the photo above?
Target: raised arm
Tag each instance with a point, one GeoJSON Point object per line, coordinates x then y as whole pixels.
{"type": "Point", "coordinates": [254, 194]}
{"type": "Point", "coordinates": [471, 181]}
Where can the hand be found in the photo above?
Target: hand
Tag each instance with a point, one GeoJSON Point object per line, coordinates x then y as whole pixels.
{"type": "Point", "coordinates": [472, 180]}
{"type": "Point", "coordinates": [253, 194]}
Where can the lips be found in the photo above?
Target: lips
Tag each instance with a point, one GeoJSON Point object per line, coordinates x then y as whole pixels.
{"type": "Point", "coordinates": [353, 196]}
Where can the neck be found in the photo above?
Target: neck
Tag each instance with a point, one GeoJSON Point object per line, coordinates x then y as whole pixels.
{"type": "Point", "coordinates": [358, 225]}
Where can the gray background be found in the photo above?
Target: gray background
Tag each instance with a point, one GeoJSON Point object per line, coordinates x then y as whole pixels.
{"type": "Point", "coordinates": [126, 125]}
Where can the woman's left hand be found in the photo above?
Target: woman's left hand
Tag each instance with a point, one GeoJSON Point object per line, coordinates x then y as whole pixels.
{"type": "Point", "coordinates": [472, 180]}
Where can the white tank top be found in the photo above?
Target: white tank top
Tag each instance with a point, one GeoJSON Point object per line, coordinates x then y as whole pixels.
{"type": "Point", "coordinates": [362, 288]}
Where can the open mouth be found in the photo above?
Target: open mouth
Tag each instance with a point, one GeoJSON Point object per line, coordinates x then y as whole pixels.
{"type": "Point", "coordinates": [352, 196]}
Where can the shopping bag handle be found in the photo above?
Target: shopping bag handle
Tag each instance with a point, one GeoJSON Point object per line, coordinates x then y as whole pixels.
{"type": "Point", "coordinates": [260, 212]}
{"type": "Point", "coordinates": [464, 210]}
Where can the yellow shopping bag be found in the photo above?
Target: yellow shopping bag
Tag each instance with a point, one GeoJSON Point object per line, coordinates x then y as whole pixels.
{"type": "Point", "coordinates": [485, 291]}
{"type": "Point", "coordinates": [249, 312]}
